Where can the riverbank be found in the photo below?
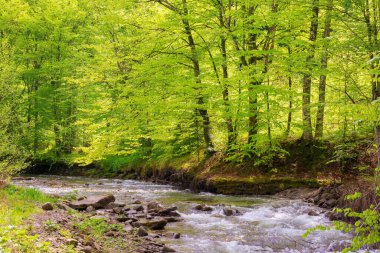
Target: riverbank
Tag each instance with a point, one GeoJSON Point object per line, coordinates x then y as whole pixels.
{"type": "Point", "coordinates": [323, 168]}
{"type": "Point", "coordinates": [34, 222]}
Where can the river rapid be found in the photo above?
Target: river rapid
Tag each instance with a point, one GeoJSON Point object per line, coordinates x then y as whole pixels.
{"type": "Point", "coordinates": [266, 224]}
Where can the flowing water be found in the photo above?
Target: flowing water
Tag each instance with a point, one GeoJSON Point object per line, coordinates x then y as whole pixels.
{"type": "Point", "coordinates": [267, 224]}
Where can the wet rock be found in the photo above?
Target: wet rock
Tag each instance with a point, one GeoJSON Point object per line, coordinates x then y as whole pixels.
{"type": "Point", "coordinates": [171, 211]}
{"type": "Point", "coordinates": [172, 219]}
{"type": "Point", "coordinates": [153, 206]}
{"type": "Point", "coordinates": [138, 208]}
{"type": "Point", "coordinates": [95, 201]}
{"type": "Point", "coordinates": [230, 212]}
{"type": "Point", "coordinates": [203, 207]}
{"type": "Point", "coordinates": [338, 246]}
{"type": "Point", "coordinates": [136, 202]}
{"type": "Point", "coordinates": [117, 210]}
{"type": "Point", "coordinates": [312, 213]}
{"type": "Point", "coordinates": [130, 212]}
{"type": "Point", "coordinates": [157, 224]}
{"type": "Point", "coordinates": [177, 236]}
{"type": "Point", "coordinates": [47, 207]}
{"type": "Point", "coordinates": [113, 205]}
{"type": "Point", "coordinates": [142, 232]}
{"type": "Point", "coordinates": [166, 249]}
{"type": "Point", "coordinates": [90, 209]}
{"type": "Point", "coordinates": [122, 219]}
{"type": "Point", "coordinates": [331, 202]}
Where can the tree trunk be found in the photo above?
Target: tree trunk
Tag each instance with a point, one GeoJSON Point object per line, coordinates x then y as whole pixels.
{"type": "Point", "coordinates": [306, 112]}
{"type": "Point", "coordinates": [290, 86]}
{"type": "Point", "coordinates": [252, 94]}
{"type": "Point", "coordinates": [197, 72]}
{"type": "Point", "coordinates": [231, 136]}
{"type": "Point", "coordinates": [322, 79]}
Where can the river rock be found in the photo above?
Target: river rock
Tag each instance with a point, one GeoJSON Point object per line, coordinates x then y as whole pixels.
{"type": "Point", "coordinates": [138, 208]}
{"type": "Point", "coordinates": [203, 207]}
{"type": "Point", "coordinates": [157, 224]}
{"type": "Point", "coordinates": [128, 228]}
{"type": "Point", "coordinates": [170, 211]}
{"type": "Point", "coordinates": [136, 202]}
{"type": "Point", "coordinates": [87, 249]}
{"type": "Point", "coordinates": [113, 205]}
{"type": "Point", "coordinates": [142, 232]}
{"type": "Point", "coordinates": [63, 206]}
{"type": "Point", "coordinates": [118, 210]}
{"type": "Point", "coordinates": [166, 249]}
{"type": "Point", "coordinates": [153, 206]}
{"type": "Point", "coordinates": [95, 201]}
{"type": "Point", "coordinates": [90, 209]}
{"type": "Point", "coordinates": [172, 219]}
{"type": "Point", "coordinates": [230, 212]}
{"type": "Point", "coordinates": [312, 213]}
{"type": "Point", "coordinates": [122, 219]}
{"type": "Point", "coordinates": [47, 207]}
{"type": "Point", "coordinates": [177, 236]}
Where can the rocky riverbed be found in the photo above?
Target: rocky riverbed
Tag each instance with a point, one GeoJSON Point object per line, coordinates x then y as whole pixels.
{"type": "Point", "coordinates": [152, 215]}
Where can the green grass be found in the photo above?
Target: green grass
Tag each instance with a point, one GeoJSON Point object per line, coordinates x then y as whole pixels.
{"type": "Point", "coordinates": [16, 205]}
{"type": "Point", "coordinates": [97, 226]}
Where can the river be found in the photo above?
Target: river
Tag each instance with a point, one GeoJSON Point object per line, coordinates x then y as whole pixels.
{"type": "Point", "coordinates": [266, 224]}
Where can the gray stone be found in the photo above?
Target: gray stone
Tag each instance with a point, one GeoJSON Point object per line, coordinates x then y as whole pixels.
{"type": "Point", "coordinates": [47, 207]}
{"type": "Point", "coordinates": [142, 232]}
{"type": "Point", "coordinates": [95, 201]}
{"type": "Point", "coordinates": [166, 249]}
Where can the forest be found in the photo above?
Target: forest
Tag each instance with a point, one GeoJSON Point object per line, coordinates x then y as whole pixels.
{"type": "Point", "coordinates": [280, 93]}
{"type": "Point", "coordinates": [84, 81]}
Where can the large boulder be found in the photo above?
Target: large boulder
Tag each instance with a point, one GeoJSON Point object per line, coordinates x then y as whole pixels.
{"type": "Point", "coordinates": [95, 201]}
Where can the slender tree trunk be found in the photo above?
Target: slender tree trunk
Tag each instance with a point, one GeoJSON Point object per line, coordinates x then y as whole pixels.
{"type": "Point", "coordinates": [197, 72]}
{"type": "Point", "coordinates": [306, 96]}
{"type": "Point", "coordinates": [290, 86]}
{"type": "Point", "coordinates": [231, 136]}
{"type": "Point", "coordinates": [322, 78]}
{"type": "Point", "coordinates": [252, 93]}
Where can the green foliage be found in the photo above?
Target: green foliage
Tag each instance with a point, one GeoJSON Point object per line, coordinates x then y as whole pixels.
{"type": "Point", "coordinates": [366, 228]}
{"type": "Point", "coordinates": [51, 226]}
{"type": "Point", "coordinates": [16, 205]}
{"type": "Point", "coordinates": [13, 239]}
{"type": "Point", "coordinates": [97, 226]}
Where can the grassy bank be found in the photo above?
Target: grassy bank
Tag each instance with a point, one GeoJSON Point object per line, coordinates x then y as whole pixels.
{"type": "Point", "coordinates": [16, 206]}
{"type": "Point", "coordinates": [300, 164]}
